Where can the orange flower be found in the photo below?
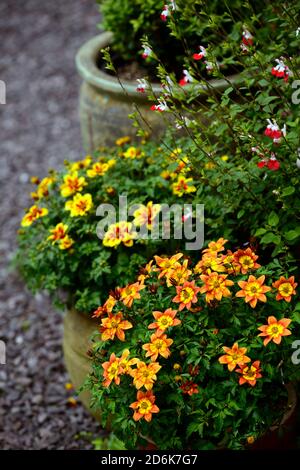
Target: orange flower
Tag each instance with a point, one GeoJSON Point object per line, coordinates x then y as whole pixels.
{"type": "Point", "coordinates": [229, 264]}
{"type": "Point", "coordinates": [253, 290]}
{"type": "Point", "coordinates": [275, 330]}
{"type": "Point", "coordinates": [250, 373]}
{"type": "Point", "coordinates": [72, 184]}
{"type": "Point", "coordinates": [145, 375]}
{"type": "Point", "coordinates": [186, 295]}
{"type": "Point", "coordinates": [178, 275]}
{"type": "Point", "coordinates": [130, 293]}
{"type": "Point", "coordinates": [189, 388]}
{"type": "Point", "coordinates": [167, 264]}
{"type": "Point", "coordinates": [144, 406]}
{"type": "Point", "coordinates": [246, 259]}
{"type": "Point", "coordinates": [164, 320]}
{"type": "Point", "coordinates": [58, 232]}
{"type": "Point", "coordinates": [234, 357]}
{"type": "Point", "coordinates": [107, 307]}
{"type": "Point", "coordinates": [112, 371]}
{"type": "Point", "coordinates": [215, 286]}
{"type": "Point", "coordinates": [286, 288]}
{"type": "Point", "coordinates": [114, 325]}
{"type": "Point", "coordinates": [146, 271]}
{"type": "Point", "coordinates": [159, 346]}
{"type": "Point", "coordinates": [215, 247]}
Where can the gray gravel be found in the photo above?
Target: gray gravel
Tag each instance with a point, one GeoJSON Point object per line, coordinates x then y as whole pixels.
{"type": "Point", "coordinates": [39, 128]}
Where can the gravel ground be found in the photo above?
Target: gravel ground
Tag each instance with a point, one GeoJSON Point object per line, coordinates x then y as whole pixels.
{"type": "Point", "coordinates": [39, 128]}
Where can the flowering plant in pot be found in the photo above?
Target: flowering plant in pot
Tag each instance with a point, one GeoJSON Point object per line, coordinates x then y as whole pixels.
{"type": "Point", "coordinates": [59, 248]}
{"type": "Point", "coordinates": [201, 349]}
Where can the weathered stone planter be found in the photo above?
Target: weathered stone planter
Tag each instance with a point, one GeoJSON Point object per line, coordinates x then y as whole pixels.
{"type": "Point", "coordinates": [104, 104]}
{"type": "Point", "coordinates": [78, 329]}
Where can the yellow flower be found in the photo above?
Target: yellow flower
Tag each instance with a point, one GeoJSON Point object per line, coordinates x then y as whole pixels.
{"type": "Point", "coordinates": [33, 214]}
{"type": "Point", "coordinates": [81, 164]}
{"type": "Point", "coordinates": [132, 153]}
{"type": "Point", "coordinates": [79, 205]}
{"type": "Point", "coordinates": [209, 165]}
{"type": "Point", "coordinates": [43, 188]}
{"type": "Point", "coordinates": [66, 243]}
{"type": "Point", "coordinates": [145, 375]}
{"type": "Point", "coordinates": [183, 186]}
{"type": "Point", "coordinates": [72, 184]}
{"type": "Point", "coordinates": [224, 158]}
{"type": "Point", "coordinates": [145, 215]}
{"type": "Point", "coordinates": [58, 232]}
{"type": "Point", "coordinates": [121, 232]}
{"type": "Point", "coordinates": [98, 169]}
{"type": "Point", "coordinates": [123, 140]}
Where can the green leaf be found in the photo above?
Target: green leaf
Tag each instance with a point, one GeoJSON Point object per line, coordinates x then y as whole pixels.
{"type": "Point", "coordinates": [273, 219]}
{"type": "Point", "coordinates": [260, 231]}
{"type": "Point", "coordinates": [288, 191]}
{"type": "Point", "coordinates": [270, 237]}
{"type": "Point", "coordinates": [292, 235]}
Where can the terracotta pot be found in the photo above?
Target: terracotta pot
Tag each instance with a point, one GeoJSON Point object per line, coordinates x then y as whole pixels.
{"type": "Point", "coordinates": [104, 104]}
{"type": "Point", "coordinates": [78, 329]}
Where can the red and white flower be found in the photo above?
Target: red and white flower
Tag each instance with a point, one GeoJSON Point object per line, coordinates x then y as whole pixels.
{"type": "Point", "coordinates": [167, 10]}
{"type": "Point", "coordinates": [271, 163]}
{"type": "Point", "coordinates": [201, 54]}
{"type": "Point", "coordinates": [187, 78]}
{"type": "Point", "coordinates": [247, 38]}
{"type": "Point", "coordinates": [161, 106]}
{"type": "Point", "coordinates": [142, 85]}
{"type": "Point", "coordinates": [274, 132]}
{"type": "Point", "coordinates": [147, 51]}
{"type": "Point", "coordinates": [281, 70]}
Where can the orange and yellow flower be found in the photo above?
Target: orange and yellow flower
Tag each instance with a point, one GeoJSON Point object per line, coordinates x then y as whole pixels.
{"type": "Point", "coordinates": [126, 363]}
{"type": "Point", "coordinates": [215, 247]}
{"type": "Point", "coordinates": [131, 293]}
{"type": "Point", "coordinates": [285, 288]}
{"type": "Point", "coordinates": [164, 320]}
{"type": "Point", "coordinates": [215, 286]}
{"type": "Point", "coordinates": [112, 371]}
{"type": "Point", "coordinates": [123, 140]}
{"type": "Point", "coordinates": [98, 169]}
{"type": "Point", "coordinates": [246, 260]}
{"type": "Point", "coordinates": [146, 215]}
{"type": "Point", "coordinates": [167, 265]}
{"type": "Point", "coordinates": [81, 164]}
{"type": "Point", "coordinates": [144, 406]}
{"type": "Point", "coordinates": [145, 374]}
{"type": "Point", "coordinates": [250, 374]}
{"type": "Point", "coordinates": [80, 205]}
{"type": "Point", "coordinates": [159, 346]}
{"type": "Point", "coordinates": [66, 243]}
{"type": "Point", "coordinates": [234, 356]}
{"type": "Point", "coordinates": [114, 325]}
{"type": "Point", "coordinates": [132, 153]}
{"type": "Point", "coordinates": [186, 295]}
{"type": "Point", "coordinates": [58, 232]}
{"type": "Point", "coordinates": [118, 233]}
{"type": "Point", "coordinates": [72, 184]}
{"type": "Point", "coordinates": [107, 307]}
{"type": "Point", "coordinates": [145, 272]}
{"type": "Point", "coordinates": [183, 186]}
{"type": "Point", "coordinates": [178, 276]}
{"type": "Point", "coordinates": [253, 290]}
{"type": "Point", "coordinates": [209, 262]}
{"type": "Point", "coordinates": [43, 188]}
{"type": "Point", "coordinates": [33, 214]}
{"type": "Point", "coordinates": [189, 388]}
{"type": "Point", "coordinates": [275, 330]}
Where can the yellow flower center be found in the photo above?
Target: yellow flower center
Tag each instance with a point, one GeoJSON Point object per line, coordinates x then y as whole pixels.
{"type": "Point", "coordinates": [164, 321]}
{"type": "Point", "coordinates": [145, 406]}
{"type": "Point", "coordinates": [246, 261]}
{"type": "Point", "coordinates": [114, 324]}
{"type": "Point", "coordinates": [253, 288]}
{"type": "Point", "coordinates": [275, 330]}
{"type": "Point", "coordinates": [186, 295]}
{"type": "Point", "coordinates": [285, 289]}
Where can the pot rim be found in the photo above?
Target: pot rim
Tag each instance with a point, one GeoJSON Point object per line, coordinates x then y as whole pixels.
{"type": "Point", "coordinates": [86, 65]}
